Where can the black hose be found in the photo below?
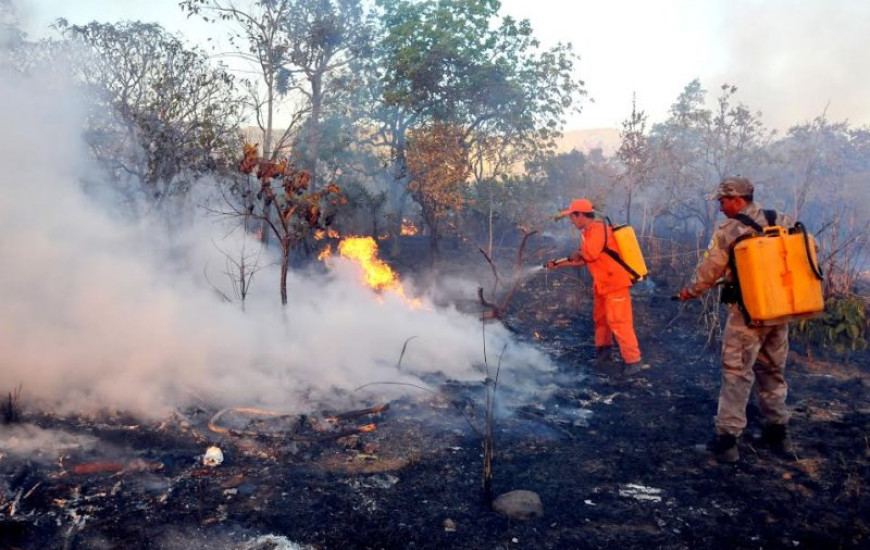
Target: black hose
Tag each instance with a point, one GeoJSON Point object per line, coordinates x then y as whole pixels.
{"type": "Point", "coordinates": [817, 269]}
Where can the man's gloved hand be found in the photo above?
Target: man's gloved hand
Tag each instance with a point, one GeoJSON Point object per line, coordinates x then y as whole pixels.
{"type": "Point", "coordinates": [685, 294]}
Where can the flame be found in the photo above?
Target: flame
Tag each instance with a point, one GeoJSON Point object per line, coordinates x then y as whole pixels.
{"type": "Point", "coordinates": [321, 234]}
{"type": "Point", "coordinates": [376, 273]}
{"type": "Point", "coordinates": [325, 254]}
{"type": "Point", "coordinates": [408, 227]}
{"type": "Point", "coordinates": [367, 428]}
{"type": "Point", "coordinates": [364, 250]}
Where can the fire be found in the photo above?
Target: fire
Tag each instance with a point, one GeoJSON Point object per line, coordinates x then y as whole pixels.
{"type": "Point", "coordinates": [408, 227]}
{"type": "Point", "coordinates": [364, 250]}
{"type": "Point", "coordinates": [321, 234]}
{"type": "Point", "coordinates": [325, 254]}
{"type": "Point", "coordinates": [368, 428]}
{"type": "Point", "coordinates": [375, 272]}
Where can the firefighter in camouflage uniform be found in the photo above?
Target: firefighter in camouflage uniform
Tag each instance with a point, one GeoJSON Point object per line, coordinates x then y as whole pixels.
{"type": "Point", "coordinates": [750, 354]}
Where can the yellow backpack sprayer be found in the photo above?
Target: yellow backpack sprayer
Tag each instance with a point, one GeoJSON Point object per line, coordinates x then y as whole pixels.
{"type": "Point", "coordinates": [777, 272]}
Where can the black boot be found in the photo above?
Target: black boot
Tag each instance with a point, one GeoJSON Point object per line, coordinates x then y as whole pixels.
{"type": "Point", "coordinates": [776, 438]}
{"type": "Point", "coordinates": [724, 448]}
{"type": "Point", "coordinates": [631, 369]}
{"type": "Point", "coordinates": [603, 356]}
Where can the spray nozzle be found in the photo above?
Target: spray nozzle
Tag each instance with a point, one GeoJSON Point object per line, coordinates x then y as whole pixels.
{"type": "Point", "coordinates": [556, 262]}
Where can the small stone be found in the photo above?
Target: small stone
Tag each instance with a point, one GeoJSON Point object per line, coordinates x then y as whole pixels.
{"type": "Point", "coordinates": [521, 505]}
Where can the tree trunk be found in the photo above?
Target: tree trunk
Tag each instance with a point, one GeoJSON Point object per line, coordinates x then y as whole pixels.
{"type": "Point", "coordinates": [314, 131]}
{"type": "Point", "coordinates": [489, 219]}
{"type": "Point", "coordinates": [285, 262]}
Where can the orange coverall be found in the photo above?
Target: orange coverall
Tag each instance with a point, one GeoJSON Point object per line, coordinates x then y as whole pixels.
{"type": "Point", "coordinates": [611, 302]}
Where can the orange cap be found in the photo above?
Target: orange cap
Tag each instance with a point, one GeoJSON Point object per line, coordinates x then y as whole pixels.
{"type": "Point", "coordinates": [578, 205]}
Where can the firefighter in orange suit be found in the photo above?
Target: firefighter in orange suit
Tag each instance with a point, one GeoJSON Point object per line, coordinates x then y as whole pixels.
{"type": "Point", "coordinates": [611, 304]}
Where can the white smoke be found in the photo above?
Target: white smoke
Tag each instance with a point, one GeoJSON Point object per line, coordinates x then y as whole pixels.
{"type": "Point", "coordinates": [93, 316]}
{"type": "Point", "coordinates": [797, 60]}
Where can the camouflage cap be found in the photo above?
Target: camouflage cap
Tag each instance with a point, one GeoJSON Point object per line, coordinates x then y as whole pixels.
{"type": "Point", "coordinates": [733, 187]}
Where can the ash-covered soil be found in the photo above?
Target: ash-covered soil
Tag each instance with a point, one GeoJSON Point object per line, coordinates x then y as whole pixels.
{"type": "Point", "coordinates": [614, 461]}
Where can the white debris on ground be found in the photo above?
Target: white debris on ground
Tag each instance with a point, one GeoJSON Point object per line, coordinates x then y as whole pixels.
{"type": "Point", "coordinates": [640, 492]}
{"type": "Point", "coordinates": [213, 457]}
{"type": "Point", "coordinates": [273, 542]}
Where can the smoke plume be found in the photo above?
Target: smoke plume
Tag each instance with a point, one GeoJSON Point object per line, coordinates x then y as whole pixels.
{"type": "Point", "coordinates": [797, 60]}
{"type": "Point", "coordinates": [95, 316]}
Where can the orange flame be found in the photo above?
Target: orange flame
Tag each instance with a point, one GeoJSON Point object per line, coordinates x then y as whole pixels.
{"type": "Point", "coordinates": [408, 227]}
{"type": "Point", "coordinates": [364, 250]}
{"type": "Point", "coordinates": [375, 272]}
{"type": "Point", "coordinates": [368, 428]}
{"type": "Point", "coordinates": [321, 234]}
{"type": "Point", "coordinates": [325, 254]}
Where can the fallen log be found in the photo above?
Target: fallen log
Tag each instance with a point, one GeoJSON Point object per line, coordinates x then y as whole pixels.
{"type": "Point", "coordinates": [292, 436]}
{"type": "Point", "coordinates": [377, 409]}
{"type": "Point", "coordinates": [113, 467]}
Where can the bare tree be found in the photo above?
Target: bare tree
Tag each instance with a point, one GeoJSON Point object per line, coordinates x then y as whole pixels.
{"type": "Point", "coordinates": [287, 209]}
{"type": "Point", "coordinates": [259, 37]}
{"type": "Point", "coordinates": [324, 37]}
{"type": "Point", "coordinates": [634, 154]}
{"type": "Point", "coordinates": [696, 147]}
{"type": "Point", "coordinates": [163, 115]}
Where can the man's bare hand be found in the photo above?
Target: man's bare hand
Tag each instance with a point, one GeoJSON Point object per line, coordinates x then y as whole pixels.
{"type": "Point", "coordinates": [685, 294]}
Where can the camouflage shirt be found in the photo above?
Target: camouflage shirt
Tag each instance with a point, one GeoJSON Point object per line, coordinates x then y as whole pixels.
{"type": "Point", "coordinates": [713, 266]}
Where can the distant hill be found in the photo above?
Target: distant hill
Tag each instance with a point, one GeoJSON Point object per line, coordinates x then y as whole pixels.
{"type": "Point", "coordinates": [585, 140]}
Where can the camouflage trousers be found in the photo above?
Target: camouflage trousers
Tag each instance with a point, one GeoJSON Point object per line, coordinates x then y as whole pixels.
{"type": "Point", "coordinates": [751, 355]}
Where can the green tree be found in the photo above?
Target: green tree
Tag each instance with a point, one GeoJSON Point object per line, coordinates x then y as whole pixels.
{"type": "Point", "coordinates": [563, 176]}
{"type": "Point", "coordinates": [462, 64]}
{"type": "Point", "coordinates": [324, 38]}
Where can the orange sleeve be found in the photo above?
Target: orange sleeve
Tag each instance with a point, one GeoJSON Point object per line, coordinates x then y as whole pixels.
{"type": "Point", "coordinates": [593, 242]}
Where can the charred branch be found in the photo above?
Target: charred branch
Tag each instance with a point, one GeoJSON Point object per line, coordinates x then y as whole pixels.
{"type": "Point", "coordinates": [497, 311]}
{"type": "Point", "coordinates": [377, 409]}
{"type": "Point", "coordinates": [11, 409]}
{"type": "Point", "coordinates": [326, 431]}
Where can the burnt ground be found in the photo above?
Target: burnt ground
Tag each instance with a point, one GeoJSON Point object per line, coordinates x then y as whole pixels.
{"type": "Point", "coordinates": [614, 462]}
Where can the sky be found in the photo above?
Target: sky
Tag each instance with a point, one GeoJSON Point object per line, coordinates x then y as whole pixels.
{"type": "Point", "coordinates": [791, 60]}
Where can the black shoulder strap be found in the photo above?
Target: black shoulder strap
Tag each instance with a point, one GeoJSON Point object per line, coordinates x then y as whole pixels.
{"type": "Point", "coordinates": [612, 253]}
{"type": "Point", "coordinates": [746, 220]}
{"type": "Point", "coordinates": [769, 216]}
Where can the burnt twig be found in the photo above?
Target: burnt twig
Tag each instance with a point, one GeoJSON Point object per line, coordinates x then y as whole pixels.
{"type": "Point", "coordinates": [402, 355]}
{"type": "Point", "coordinates": [497, 311]}
{"type": "Point", "coordinates": [11, 409]}
{"type": "Point", "coordinates": [290, 435]}
{"type": "Point", "coordinates": [377, 409]}
{"type": "Point", "coordinates": [488, 442]}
